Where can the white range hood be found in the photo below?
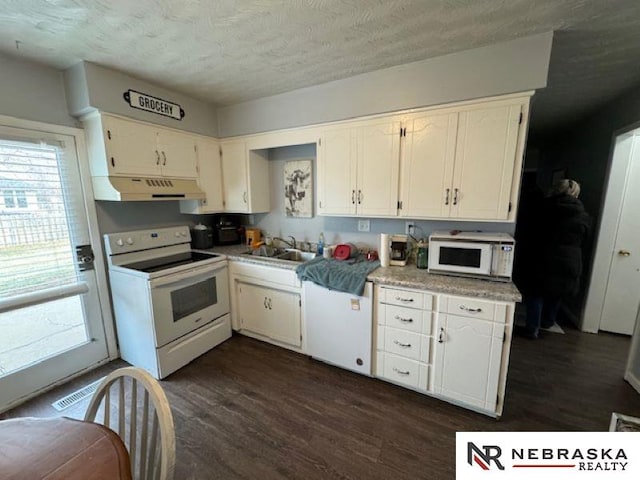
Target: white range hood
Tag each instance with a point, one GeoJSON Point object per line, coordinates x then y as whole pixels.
{"type": "Point", "coordinates": [123, 189]}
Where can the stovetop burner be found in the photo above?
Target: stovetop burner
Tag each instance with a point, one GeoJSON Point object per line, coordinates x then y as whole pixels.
{"type": "Point", "coordinates": [164, 263]}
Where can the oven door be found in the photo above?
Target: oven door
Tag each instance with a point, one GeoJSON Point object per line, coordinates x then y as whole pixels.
{"type": "Point", "coordinates": [460, 257]}
{"type": "Point", "coordinates": [185, 301]}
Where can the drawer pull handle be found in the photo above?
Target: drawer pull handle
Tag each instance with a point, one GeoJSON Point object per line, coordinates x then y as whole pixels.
{"type": "Point", "coordinates": [405, 320]}
{"type": "Point", "coordinates": [470, 310]}
{"type": "Point", "coordinates": [403, 345]}
{"type": "Point", "coordinates": [400, 299]}
{"type": "Point", "coordinates": [441, 335]}
{"type": "Point", "coordinates": [401, 372]}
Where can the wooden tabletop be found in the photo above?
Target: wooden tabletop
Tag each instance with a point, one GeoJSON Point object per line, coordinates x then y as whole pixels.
{"type": "Point", "coordinates": [61, 448]}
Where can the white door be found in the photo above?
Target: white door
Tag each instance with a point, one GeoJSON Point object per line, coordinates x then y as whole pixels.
{"type": "Point", "coordinates": [632, 373]}
{"type": "Point", "coordinates": [234, 177]}
{"type": "Point", "coordinates": [622, 295]}
{"type": "Point", "coordinates": [51, 324]}
{"type": "Point", "coordinates": [132, 147]}
{"type": "Point", "coordinates": [467, 360]}
{"type": "Point", "coordinates": [485, 159]}
{"type": "Point", "coordinates": [178, 154]}
{"type": "Point", "coordinates": [377, 171]}
{"type": "Point", "coordinates": [427, 166]}
{"type": "Point", "coordinates": [337, 163]}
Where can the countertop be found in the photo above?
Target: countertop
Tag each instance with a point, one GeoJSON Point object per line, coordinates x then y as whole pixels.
{"type": "Point", "coordinates": [408, 277]}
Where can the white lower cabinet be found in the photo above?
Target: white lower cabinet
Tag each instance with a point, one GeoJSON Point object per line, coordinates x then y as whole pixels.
{"type": "Point", "coordinates": [456, 348]}
{"type": "Point", "coordinates": [403, 336]}
{"type": "Point", "coordinates": [270, 312]}
{"type": "Point", "coordinates": [266, 304]}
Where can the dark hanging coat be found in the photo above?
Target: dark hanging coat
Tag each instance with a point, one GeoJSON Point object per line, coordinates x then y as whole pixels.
{"type": "Point", "coordinates": [565, 224]}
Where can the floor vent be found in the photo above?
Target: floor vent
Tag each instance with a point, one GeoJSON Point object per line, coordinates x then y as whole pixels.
{"type": "Point", "coordinates": [75, 397]}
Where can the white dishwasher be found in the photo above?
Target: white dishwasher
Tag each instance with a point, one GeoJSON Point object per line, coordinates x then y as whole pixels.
{"type": "Point", "coordinates": [339, 326]}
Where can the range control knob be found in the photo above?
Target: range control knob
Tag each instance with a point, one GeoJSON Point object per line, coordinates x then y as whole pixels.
{"type": "Point", "coordinates": [119, 242]}
{"type": "Point", "coordinates": [183, 234]}
{"type": "Point", "coordinates": [177, 234]}
{"type": "Point", "coordinates": [129, 241]}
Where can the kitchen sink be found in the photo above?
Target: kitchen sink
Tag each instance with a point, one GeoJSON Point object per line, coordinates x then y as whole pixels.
{"type": "Point", "coordinates": [296, 255]}
{"type": "Point", "coordinates": [291, 254]}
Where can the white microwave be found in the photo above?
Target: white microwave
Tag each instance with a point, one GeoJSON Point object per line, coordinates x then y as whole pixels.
{"type": "Point", "coordinates": [472, 254]}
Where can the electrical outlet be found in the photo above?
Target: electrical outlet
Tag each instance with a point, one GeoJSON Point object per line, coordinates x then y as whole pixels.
{"type": "Point", "coordinates": [364, 225]}
{"type": "Point", "coordinates": [409, 228]}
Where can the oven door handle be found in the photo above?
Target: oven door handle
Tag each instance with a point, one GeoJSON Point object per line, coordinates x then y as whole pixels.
{"type": "Point", "coordinates": [205, 270]}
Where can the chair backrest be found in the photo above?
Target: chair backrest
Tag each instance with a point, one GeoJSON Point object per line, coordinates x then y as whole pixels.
{"type": "Point", "coordinates": [144, 420]}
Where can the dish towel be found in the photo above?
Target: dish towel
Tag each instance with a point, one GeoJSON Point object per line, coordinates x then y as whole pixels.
{"type": "Point", "coordinates": [342, 275]}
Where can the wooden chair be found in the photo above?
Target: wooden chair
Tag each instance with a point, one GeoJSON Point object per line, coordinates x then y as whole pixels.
{"type": "Point", "coordinates": [144, 420]}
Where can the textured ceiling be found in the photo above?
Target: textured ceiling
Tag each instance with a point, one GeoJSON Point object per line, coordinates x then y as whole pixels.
{"type": "Point", "coordinates": [228, 51]}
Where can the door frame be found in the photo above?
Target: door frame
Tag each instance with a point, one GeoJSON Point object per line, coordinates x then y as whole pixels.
{"type": "Point", "coordinates": [94, 232]}
{"type": "Point", "coordinates": [619, 158]}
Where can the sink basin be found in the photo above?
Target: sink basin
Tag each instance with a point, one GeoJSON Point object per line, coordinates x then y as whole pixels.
{"type": "Point", "coordinates": [291, 254]}
{"type": "Point", "coordinates": [296, 255]}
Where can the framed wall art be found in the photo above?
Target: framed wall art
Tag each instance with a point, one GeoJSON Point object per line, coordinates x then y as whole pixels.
{"type": "Point", "coordinates": [298, 189]}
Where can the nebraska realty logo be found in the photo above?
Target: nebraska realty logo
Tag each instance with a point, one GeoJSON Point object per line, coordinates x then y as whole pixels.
{"type": "Point", "coordinates": [522, 455]}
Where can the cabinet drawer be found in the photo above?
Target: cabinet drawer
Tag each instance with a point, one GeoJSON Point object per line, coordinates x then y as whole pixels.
{"type": "Point", "coordinates": [405, 318]}
{"type": "Point", "coordinates": [402, 370]}
{"type": "Point", "coordinates": [407, 298]}
{"type": "Point", "coordinates": [405, 344]}
{"type": "Point", "coordinates": [469, 307]}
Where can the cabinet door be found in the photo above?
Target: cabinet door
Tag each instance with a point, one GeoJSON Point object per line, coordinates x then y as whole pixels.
{"type": "Point", "coordinates": [485, 159]}
{"type": "Point", "coordinates": [178, 154]}
{"type": "Point", "coordinates": [284, 316]}
{"type": "Point", "coordinates": [131, 148]}
{"type": "Point", "coordinates": [427, 166]}
{"type": "Point", "coordinates": [337, 163]}
{"type": "Point", "coordinates": [269, 312]}
{"type": "Point", "coordinates": [378, 169]}
{"type": "Point", "coordinates": [234, 177]}
{"type": "Point", "coordinates": [209, 179]}
{"type": "Point", "coordinates": [254, 312]}
{"type": "Point", "coordinates": [467, 360]}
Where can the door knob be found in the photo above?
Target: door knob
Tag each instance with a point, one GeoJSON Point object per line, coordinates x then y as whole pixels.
{"type": "Point", "coordinates": [624, 253]}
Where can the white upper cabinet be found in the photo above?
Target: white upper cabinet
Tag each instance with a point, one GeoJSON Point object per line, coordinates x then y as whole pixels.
{"type": "Point", "coordinates": [120, 147]}
{"type": "Point", "coordinates": [462, 164]}
{"type": "Point", "coordinates": [209, 180]}
{"type": "Point", "coordinates": [427, 165]}
{"type": "Point", "coordinates": [358, 169]}
{"type": "Point", "coordinates": [245, 178]}
{"type": "Point", "coordinates": [485, 161]}
{"type": "Point", "coordinates": [178, 152]}
{"type": "Point", "coordinates": [337, 164]}
{"type": "Point", "coordinates": [378, 168]}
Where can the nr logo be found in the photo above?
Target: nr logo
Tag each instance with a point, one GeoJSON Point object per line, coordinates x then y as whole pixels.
{"type": "Point", "coordinates": [484, 456]}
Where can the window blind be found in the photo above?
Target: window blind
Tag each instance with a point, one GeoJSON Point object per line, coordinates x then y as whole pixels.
{"type": "Point", "coordinates": [36, 248]}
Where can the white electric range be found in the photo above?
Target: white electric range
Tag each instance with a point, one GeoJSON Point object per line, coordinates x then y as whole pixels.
{"type": "Point", "coordinates": [171, 303]}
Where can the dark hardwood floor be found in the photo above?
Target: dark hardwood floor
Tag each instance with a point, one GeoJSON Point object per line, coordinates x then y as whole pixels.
{"type": "Point", "coordinates": [249, 410]}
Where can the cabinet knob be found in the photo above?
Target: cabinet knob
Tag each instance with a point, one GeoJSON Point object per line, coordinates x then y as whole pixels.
{"type": "Point", "coordinates": [408, 300]}
{"type": "Point", "coordinates": [164, 159]}
{"type": "Point", "coordinates": [353, 197]}
{"type": "Point", "coordinates": [401, 372]}
{"type": "Point", "coordinates": [157, 157]}
{"type": "Point", "coordinates": [360, 197]}
{"type": "Point", "coordinates": [624, 253]}
{"type": "Point", "coordinates": [455, 196]}
{"type": "Point", "coordinates": [405, 320]}
{"type": "Point", "coordinates": [446, 197]}
{"type": "Point", "coordinates": [441, 335]}
{"type": "Point", "coordinates": [470, 310]}
{"type": "Point", "coordinates": [403, 345]}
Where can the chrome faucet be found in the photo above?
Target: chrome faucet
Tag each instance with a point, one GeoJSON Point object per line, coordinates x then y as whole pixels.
{"type": "Point", "coordinates": [291, 243]}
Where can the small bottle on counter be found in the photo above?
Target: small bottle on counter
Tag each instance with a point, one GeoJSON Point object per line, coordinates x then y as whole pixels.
{"type": "Point", "coordinates": [422, 257]}
{"type": "Point", "coordinates": [320, 249]}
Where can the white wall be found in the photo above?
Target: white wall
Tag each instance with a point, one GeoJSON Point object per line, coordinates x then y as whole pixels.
{"type": "Point", "coordinates": [90, 86]}
{"type": "Point", "coordinates": [514, 66]}
{"type": "Point", "coordinates": [338, 229]}
{"type": "Point", "coordinates": [32, 92]}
